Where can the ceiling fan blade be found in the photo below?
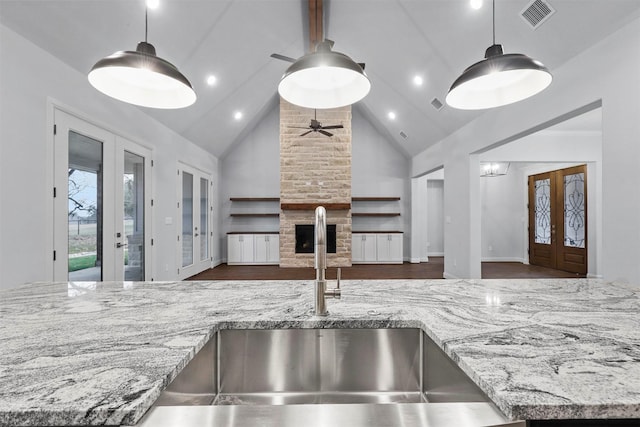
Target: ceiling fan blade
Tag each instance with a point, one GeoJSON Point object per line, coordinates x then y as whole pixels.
{"type": "Point", "coordinates": [361, 64]}
{"type": "Point", "coordinates": [282, 57]}
{"type": "Point", "coordinates": [306, 133]}
{"type": "Point", "coordinates": [325, 132]}
{"type": "Point", "coordinates": [333, 127]}
{"type": "Point", "coordinates": [298, 127]}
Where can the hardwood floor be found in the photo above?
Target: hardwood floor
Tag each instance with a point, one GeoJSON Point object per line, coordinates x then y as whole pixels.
{"type": "Point", "coordinates": [426, 270]}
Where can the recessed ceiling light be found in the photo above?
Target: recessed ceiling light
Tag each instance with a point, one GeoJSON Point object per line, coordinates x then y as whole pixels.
{"type": "Point", "coordinates": [418, 80]}
{"type": "Point", "coordinates": [476, 4]}
{"type": "Point", "coordinates": [153, 4]}
{"type": "Point", "coordinates": [237, 115]}
{"type": "Point", "coordinates": [391, 115]}
{"type": "Point", "coordinates": [211, 80]}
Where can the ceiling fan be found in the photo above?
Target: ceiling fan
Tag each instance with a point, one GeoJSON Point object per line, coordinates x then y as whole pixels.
{"type": "Point", "coordinates": [316, 126]}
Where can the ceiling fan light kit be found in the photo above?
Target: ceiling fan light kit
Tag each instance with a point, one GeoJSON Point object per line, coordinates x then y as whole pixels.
{"type": "Point", "coordinates": [324, 79]}
{"type": "Point", "coordinates": [499, 79]}
{"type": "Point", "coordinates": [141, 78]}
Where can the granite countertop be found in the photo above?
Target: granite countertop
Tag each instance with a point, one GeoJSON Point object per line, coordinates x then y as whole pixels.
{"type": "Point", "coordinates": [86, 353]}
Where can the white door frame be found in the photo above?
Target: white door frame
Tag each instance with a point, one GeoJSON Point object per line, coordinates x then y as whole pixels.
{"type": "Point", "coordinates": [197, 264]}
{"type": "Point", "coordinates": [64, 120]}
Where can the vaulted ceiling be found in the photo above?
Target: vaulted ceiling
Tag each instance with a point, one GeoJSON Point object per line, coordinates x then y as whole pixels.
{"type": "Point", "coordinates": [233, 40]}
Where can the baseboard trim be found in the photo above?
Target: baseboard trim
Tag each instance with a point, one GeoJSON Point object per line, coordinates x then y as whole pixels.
{"type": "Point", "coordinates": [218, 262]}
{"type": "Point", "coordinates": [594, 276]}
{"type": "Point", "coordinates": [503, 259]}
{"type": "Point", "coordinates": [446, 275]}
{"type": "Point", "coordinates": [435, 254]}
{"type": "Point", "coordinates": [414, 260]}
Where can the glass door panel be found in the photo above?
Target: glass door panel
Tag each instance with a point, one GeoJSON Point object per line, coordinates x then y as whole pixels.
{"type": "Point", "coordinates": [133, 190]}
{"type": "Point", "coordinates": [204, 219]}
{"type": "Point", "coordinates": [574, 211]}
{"type": "Point", "coordinates": [187, 219]}
{"type": "Point", "coordinates": [85, 183]}
{"type": "Point", "coordinates": [543, 211]}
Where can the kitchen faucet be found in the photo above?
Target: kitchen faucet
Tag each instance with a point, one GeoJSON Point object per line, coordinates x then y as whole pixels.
{"type": "Point", "coordinates": [320, 251]}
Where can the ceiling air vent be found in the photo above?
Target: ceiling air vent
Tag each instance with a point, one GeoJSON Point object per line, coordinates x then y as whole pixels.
{"type": "Point", "coordinates": [536, 13]}
{"type": "Point", "coordinates": [437, 104]}
{"type": "Point", "coordinates": [403, 135]}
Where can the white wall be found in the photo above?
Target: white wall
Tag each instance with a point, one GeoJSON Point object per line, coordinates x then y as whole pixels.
{"type": "Point", "coordinates": [585, 79]}
{"type": "Point", "coordinates": [435, 217]}
{"type": "Point", "coordinates": [29, 79]}
{"type": "Point", "coordinates": [378, 168]}
{"type": "Point", "coordinates": [252, 169]}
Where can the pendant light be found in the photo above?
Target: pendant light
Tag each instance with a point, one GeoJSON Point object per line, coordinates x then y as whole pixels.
{"type": "Point", "coordinates": [499, 79]}
{"type": "Point", "coordinates": [324, 79]}
{"type": "Point", "coordinates": [141, 78]}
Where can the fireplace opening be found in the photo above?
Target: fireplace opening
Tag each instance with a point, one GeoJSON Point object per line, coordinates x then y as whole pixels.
{"type": "Point", "coordinates": [305, 238]}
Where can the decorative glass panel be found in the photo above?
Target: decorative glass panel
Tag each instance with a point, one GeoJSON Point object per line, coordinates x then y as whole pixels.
{"type": "Point", "coordinates": [574, 210]}
{"type": "Point", "coordinates": [543, 211]}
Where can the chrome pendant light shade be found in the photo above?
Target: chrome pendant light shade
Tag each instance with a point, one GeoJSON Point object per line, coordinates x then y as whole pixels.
{"type": "Point", "coordinates": [324, 79]}
{"type": "Point", "coordinates": [141, 78]}
{"type": "Point", "coordinates": [499, 79]}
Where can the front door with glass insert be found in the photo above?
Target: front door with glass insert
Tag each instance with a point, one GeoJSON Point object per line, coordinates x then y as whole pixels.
{"type": "Point", "coordinates": [101, 204]}
{"type": "Point", "coordinates": [558, 219]}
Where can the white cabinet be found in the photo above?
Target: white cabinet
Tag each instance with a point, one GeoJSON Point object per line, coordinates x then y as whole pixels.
{"type": "Point", "coordinates": [389, 248]}
{"type": "Point", "coordinates": [376, 248]}
{"type": "Point", "coordinates": [240, 248]}
{"type": "Point", "coordinates": [363, 247]}
{"type": "Point", "coordinates": [253, 249]}
{"type": "Point", "coordinates": [267, 249]}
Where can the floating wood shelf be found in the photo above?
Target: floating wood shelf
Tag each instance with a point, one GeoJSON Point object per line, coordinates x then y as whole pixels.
{"type": "Point", "coordinates": [312, 206]}
{"type": "Point", "coordinates": [375, 199]}
{"type": "Point", "coordinates": [375, 214]}
{"type": "Point", "coordinates": [255, 214]}
{"type": "Point", "coordinates": [254, 199]}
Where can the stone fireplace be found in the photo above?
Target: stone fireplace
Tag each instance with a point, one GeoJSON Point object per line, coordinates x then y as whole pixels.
{"type": "Point", "coordinates": [315, 170]}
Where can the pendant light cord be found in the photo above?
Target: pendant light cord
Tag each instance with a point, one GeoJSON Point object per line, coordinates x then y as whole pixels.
{"type": "Point", "coordinates": [146, 23]}
{"type": "Point", "coordinates": [494, 21]}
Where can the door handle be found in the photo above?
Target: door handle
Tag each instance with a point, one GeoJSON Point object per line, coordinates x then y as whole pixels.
{"type": "Point", "coordinates": [121, 245]}
{"type": "Point", "coordinates": [196, 235]}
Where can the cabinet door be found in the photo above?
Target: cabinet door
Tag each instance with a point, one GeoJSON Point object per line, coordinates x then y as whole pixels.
{"type": "Point", "coordinates": [369, 251]}
{"type": "Point", "coordinates": [383, 249]}
{"type": "Point", "coordinates": [247, 248]}
{"type": "Point", "coordinates": [356, 247]}
{"type": "Point", "coordinates": [395, 248]}
{"type": "Point", "coordinates": [261, 248]}
{"type": "Point", "coordinates": [234, 249]}
{"type": "Point", "coordinates": [273, 245]}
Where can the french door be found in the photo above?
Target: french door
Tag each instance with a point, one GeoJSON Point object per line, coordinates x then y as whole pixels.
{"type": "Point", "coordinates": [558, 219]}
{"type": "Point", "coordinates": [195, 211]}
{"type": "Point", "coordinates": [101, 204]}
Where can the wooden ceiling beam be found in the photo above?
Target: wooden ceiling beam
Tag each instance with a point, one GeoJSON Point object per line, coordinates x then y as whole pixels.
{"type": "Point", "coordinates": [316, 24]}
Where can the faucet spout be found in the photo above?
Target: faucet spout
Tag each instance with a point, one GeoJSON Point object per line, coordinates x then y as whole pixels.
{"type": "Point", "coordinates": [320, 264]}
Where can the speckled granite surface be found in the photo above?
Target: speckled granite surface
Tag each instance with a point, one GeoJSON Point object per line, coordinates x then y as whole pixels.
{"type": "Point", "coordinates": [100, 353]}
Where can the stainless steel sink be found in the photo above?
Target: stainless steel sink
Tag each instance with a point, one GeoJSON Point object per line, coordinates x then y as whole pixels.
{"type": "Point", "coordinates": [288, 375]}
